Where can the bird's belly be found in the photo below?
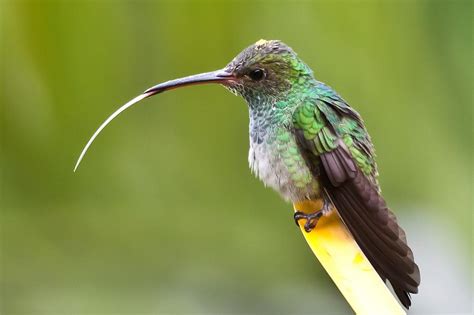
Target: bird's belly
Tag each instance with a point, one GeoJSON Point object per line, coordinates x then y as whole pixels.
{"type": "Point", "coordinates": [282, 167]}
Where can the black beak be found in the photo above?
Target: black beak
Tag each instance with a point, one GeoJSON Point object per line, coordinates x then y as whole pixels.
{"type": "Point", "coordinates": [219, 76]}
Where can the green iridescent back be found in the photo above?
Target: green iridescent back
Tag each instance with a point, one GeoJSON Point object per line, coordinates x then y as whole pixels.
{"type": "Point", "coordinates": [325, 117]}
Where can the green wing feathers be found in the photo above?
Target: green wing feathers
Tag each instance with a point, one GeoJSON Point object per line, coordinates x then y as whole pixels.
{"type": "Point", "coordinates": [321, 121]}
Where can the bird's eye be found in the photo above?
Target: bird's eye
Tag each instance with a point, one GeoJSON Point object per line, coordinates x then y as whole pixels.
{"type": "Point", "coordinates": [257, 74]}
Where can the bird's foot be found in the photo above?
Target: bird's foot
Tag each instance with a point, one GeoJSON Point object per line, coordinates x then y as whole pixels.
{"type": "Point", "coordinates": [311, 218]}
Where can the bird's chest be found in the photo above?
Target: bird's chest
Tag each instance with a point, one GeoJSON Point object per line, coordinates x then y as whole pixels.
{"type": "Point", "coordinates": [267, 165]}
{"type": "Point", "coordinates": [274, 157]}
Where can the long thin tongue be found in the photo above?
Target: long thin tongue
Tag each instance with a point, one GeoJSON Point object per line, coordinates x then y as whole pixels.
{"type": "Point", "coordinates": [107, 121]}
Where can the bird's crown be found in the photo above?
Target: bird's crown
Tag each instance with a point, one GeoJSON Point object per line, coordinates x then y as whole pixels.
{"type": "Point", "coordinates": [263, 51]}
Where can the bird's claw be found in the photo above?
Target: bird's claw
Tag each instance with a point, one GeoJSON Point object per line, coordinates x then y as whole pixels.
{"type": "Point", "coordinates": [311, 219]}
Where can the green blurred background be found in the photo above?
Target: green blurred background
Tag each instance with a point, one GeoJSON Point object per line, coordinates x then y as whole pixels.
{"type": "Point", "coordinates": [163, 215]}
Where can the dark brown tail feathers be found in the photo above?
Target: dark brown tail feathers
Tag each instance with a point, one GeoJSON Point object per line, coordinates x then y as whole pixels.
{"type": "Point", "coordinates": [373, 225]}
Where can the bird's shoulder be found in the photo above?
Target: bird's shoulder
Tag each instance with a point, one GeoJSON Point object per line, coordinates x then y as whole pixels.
{"type": "Point", "coordinates": [324, 120]}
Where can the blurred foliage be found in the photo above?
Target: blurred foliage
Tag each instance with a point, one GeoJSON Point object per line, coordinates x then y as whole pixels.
{"type": "Point", "coordinates": [163, 215]}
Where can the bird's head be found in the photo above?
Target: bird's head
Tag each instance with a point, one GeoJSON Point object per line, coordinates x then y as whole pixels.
{"type": "Point", "coordinates": [268, 69]}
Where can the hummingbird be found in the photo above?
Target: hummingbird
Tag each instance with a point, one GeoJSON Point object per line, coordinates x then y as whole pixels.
{"type": "Point", "coordinates": [308, 143]}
